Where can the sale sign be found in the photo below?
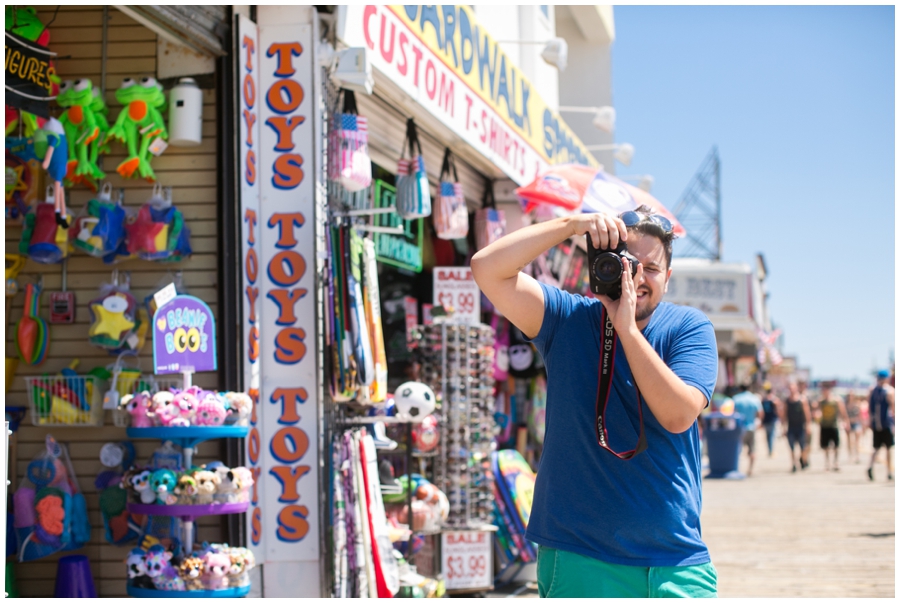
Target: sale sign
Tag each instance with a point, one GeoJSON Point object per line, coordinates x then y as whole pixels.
{"type": "Point", "coordinates": [466, 559]}
{"type": "Point", "coordinates": [184, 336]}
{"type": "Point", "coordinates": [455, 288]}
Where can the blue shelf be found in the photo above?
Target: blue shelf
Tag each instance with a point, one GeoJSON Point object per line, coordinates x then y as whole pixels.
{"type": "Point", "coordinates": [188, 437]}
{"type": "Point", "coordinates": [145, 593]}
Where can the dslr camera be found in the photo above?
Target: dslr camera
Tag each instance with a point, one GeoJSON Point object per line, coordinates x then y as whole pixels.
{"type": "Point", "coordinates": [605, 268]}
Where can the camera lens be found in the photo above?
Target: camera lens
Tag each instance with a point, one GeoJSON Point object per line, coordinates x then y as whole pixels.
{"type": "Point", "coordinates": [608, 268]}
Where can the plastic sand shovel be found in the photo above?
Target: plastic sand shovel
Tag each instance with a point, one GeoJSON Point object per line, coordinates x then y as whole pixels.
{"type": "Point", "coordinates": [32, 333]}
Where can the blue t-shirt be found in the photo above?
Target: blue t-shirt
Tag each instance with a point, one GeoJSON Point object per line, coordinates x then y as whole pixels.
{"type": "Point", "coordinates": [748, 405]}
{"type": "Point", "coordinates": [641, 512]}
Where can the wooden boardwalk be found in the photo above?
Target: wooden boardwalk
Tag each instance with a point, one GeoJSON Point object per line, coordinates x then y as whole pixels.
{"type": "Point", "coordinates": [809, 534]}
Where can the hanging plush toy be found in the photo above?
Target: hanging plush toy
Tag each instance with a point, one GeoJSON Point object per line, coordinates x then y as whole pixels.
{"type": "Point", "coordinates": [56, 160]}
{"type": "Point", "coordinates": [139, 121]}
{"type": "Point", "coordinates": [83, 132]}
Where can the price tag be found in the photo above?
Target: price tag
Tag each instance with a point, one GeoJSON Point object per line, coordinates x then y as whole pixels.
{"type": "Point", "coordinates": [466, 561]}
{"type": "Point", "coordinates": [454, 287]}
{"type": "Point", "coordinates": [165, 294]}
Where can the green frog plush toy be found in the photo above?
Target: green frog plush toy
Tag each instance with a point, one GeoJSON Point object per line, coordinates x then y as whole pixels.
{"type": "Point", "coordinates": [84, 131]}
{"type": "Point", "coordinates": [140, 121]}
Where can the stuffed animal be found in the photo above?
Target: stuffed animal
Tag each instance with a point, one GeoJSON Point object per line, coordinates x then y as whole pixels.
{"type": "Point", "coordinates": [187, 403]}
{"type": "Point", "coordinates": [228, 487]}
{"type": "Point", "coordinates": [159, 568]}
{"type": "Point", "coordinates": [82, 132]}
{"type": "Point", "coordinates": [243, 482]}
{"type": "Point", "coordinates": [139, 120]}
{"type": "Point", "coordinates": [135, 564]}
{"type": "Point", "coordinates": [138, 406]}
{"type": "Point", "coordinates": [207, 484]}
{"type": "Point", "coordinates": [211, 412]}
{"type": "Point", "coordinates": [163, 482]}
{"type": "Point", "coordinates": [191, 572]}
{"type": "Point", "coordinates": [168, 415]}
{"type": "Point", "coordinates": [240, 405]}
{"type": "Point", "coordinates": [186, 489]}
{"type": "Point", "coordinates": [140, 481]}
{"type": "Point", "coordinates": [238, 570]}
{"type": "Point", "coordinates": [137, 569]}
{"type": "Point", "coordinates": [215, 574]}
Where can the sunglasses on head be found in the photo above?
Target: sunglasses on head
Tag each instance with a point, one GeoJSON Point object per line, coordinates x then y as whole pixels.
{"type": "Point", "coordinates": [633, 218]}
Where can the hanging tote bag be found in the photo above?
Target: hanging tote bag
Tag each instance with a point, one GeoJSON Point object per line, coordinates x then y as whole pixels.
{"type": "Point", "coordinates": [490, 222]}
{"type": "Point", "coordinates": [355, 164]}
{"type": "Point", "coordinates": [413, 194]}
{"type": "Point", "coordinates": [451, 217]}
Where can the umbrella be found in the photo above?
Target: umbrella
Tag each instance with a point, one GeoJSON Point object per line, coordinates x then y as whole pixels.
{"type": "Point", "coordinates": [573, 186]}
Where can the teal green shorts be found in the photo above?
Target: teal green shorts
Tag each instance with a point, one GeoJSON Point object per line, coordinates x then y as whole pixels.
{"type": "Point", "coordinates": [565, 574]}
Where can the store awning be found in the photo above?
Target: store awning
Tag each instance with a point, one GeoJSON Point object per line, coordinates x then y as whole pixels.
{"type": "Point", "coordinates": [198, 27]}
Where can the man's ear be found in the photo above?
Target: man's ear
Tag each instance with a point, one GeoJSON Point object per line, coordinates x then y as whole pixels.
{"type": "Point", "coordinates": [668, 276]}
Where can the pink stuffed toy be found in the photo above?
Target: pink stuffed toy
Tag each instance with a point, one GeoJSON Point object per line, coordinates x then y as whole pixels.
{"type": "Point", "coordinates": [211, 412]}
{"type": "Point", "coordinates": [186, 402]}
{"type": "Point", "coordinates": [138, 406]}
{"type": "Point", "coordinates": [215, 574]}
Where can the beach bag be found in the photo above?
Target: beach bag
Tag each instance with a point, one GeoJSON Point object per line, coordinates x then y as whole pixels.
{"type": "Point", "coordinates": [354, 167]}
{"type": "Point", "coordinates": [451, 217]}
{"type": "Point", "coordinates": [49, 511]}
{"type": "Point", "coordinates": [490, 222]}
{"type": "Point", "coordinates": [413, 194]}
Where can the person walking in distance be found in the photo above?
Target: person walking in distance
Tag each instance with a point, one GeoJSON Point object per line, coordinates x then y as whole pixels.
{"type": "Point", "coordinates": [771, 406]}
{"type": "Point", "coordinates": [749, 406]}
{"type": "Point", "coordinates": [616, 508]}
{"type": "Point", "coordinates": [853, 427]}
{"type": "Point", "coordinates": [803, 390]}
{"type": "Point", "coordinates": [881, 415]}
{"type": "Point", "coordinates": [831, 411]}
{"type": "Point", "coordinates": [796, 418]}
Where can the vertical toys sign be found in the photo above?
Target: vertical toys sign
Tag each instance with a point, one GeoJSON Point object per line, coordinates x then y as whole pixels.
{"type": "Point", "coordinates": [287, 301]}
{"type": "Point", "coordinates": [249, 101]}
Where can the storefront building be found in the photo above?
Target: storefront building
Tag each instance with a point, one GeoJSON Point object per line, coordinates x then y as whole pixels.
{"type": "Point", "coordinates": [267, 217]}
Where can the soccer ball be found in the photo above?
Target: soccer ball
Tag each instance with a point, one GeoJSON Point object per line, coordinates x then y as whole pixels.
{"type": "Point", "coordinates": [414, 401]}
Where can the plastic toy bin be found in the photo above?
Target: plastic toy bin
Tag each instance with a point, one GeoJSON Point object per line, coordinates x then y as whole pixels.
{"type": "Point", "coordinates": [65, 401]}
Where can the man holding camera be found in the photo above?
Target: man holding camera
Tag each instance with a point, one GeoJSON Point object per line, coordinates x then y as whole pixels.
{"type": "Point", "coordinates": [616, 509]}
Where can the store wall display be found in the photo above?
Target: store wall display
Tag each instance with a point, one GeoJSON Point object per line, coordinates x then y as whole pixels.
{"type": "Point", "coordinates": [131, 50]}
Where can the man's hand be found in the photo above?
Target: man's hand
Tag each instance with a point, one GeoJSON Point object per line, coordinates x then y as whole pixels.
{"type": "Point", "coordinates": [622, 311]}
{"type": "Point", "coordinates": [606, 230]}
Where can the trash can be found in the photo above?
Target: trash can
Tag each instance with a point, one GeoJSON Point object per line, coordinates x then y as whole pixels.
{"type": "Point", "coordinates": [724, 435]}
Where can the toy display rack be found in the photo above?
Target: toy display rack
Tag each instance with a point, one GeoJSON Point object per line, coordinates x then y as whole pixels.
{"type": "Point", "coordinates": [188, 438]}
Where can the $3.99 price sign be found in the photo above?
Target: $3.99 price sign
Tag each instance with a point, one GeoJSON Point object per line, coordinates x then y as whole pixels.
{"type": "Point", "coordinates": [466, 559]}
{"type": "Point", "coordinates": [454, 287]}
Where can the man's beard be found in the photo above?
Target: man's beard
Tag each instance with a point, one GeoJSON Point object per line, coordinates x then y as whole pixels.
{"type": "Point", "coordinates": [646, 312]}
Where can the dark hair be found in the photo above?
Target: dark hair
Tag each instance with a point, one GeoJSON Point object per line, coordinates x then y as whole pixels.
{"type": "Point", "coordinates": [653, 229]}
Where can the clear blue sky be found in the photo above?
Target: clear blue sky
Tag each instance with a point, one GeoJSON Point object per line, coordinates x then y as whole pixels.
{"type": "Point", "coordinates": [800, 101]}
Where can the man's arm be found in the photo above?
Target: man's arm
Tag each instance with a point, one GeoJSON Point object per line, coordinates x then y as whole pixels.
{"type": "Point", "coordinates": [498, 267]}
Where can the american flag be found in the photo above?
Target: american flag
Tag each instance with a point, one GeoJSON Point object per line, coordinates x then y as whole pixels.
{"type": "Point", "coordinates": [354, 123]}
{"type": "Point", "coordinates": [768, 347]}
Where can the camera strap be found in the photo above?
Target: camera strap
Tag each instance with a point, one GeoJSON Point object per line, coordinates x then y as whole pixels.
{"type": "Point", "coordinates": [608, 340]}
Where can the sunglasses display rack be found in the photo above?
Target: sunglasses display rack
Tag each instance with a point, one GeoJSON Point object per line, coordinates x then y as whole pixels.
{"type": "Point", "coordinates": [457, 363]}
